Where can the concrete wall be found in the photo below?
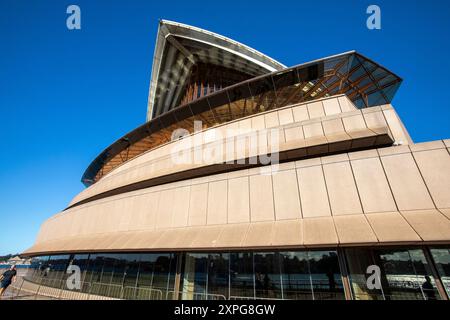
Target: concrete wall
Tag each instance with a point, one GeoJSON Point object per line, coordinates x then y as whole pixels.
{"type": "Point", "coordinates": [389, 195]}
{"type": "Point", "coordinates": [326, 125]}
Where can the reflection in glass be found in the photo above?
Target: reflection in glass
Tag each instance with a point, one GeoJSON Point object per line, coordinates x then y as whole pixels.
{"type": "Point", "coordinates": [241, 275]}
{"type": "Point", "coordinates": [218, 276]}
{"type": "Point", "coordinates": [295, 275]}
{"type": "Point", "coordinates": [195, 276]}
{"type": "Point", "coordinates": [442, 260]}
{"type": "Point", "coordinates": [325, 275]}
{"type": "Point", "coordinates": [407, 275]}
{"type": "Point", "coordinates": [267, 275]}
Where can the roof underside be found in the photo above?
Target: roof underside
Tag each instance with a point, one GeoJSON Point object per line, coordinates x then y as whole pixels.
{"type": "Point", "coordinates": [365, 82]}
{"type": "Point", "coordinates": [179, 47]}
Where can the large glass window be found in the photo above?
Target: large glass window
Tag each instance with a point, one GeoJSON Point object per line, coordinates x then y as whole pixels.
{"type": "Point", "coordinates": [195, 277]}
{"type": "Point", "coordinates": [55, 271]}
{"type": "Point", "coordinates": [295, 276]}
{"type": "Point", "coordinates": [242, 279]}
{"type": "Point", "coordinates": [408, 275]}
{"type": "Point", "coordinates": [218, 276]}
{"type": "Point", "coordinates": [37, 268]}
{"type": "Point", "coordinates": [155, 276]}
{"type": "Point", "coordinates": [404, 274]}
{"type": "Point", "coordinates": [441, 258]}
{"type": "Point", "coordinates": [267, 275]}
{"type": "Point", "coordinates": [357, 262]}
{"type": "Point", "coordinates": [325, 275]}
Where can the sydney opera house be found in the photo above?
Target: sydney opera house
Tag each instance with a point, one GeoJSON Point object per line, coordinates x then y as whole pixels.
{"type": "Point", "coordinates": [253, 180]}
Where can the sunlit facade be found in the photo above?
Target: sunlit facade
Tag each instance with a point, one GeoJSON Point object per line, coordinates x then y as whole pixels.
{"type": "Point", "coordinates": [253, 180]}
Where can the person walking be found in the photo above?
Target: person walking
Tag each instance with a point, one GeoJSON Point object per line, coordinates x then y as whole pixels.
{"type": "Point", "coordinates": [8, 277]}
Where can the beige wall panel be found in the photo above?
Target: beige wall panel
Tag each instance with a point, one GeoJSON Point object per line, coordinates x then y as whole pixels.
{"type": "Point", "coordinates": [181, 207]}
{"type": "Point", "coordinates": [126, 213]}
{"type": "Point", "coordinates": [313, 192]}
{"type": "Point", "coordinates": [341, 189]}
{"type": "Point", "coordinates": [285, 116]}
{"type": "Point", "coordinates": [238, 200]}
{"type": "Point", "coordinates": [445, 212]}
{"type": "Point", "coordinates": [286, 197]}
{"type": "Point", "coordinates": [261, 198]}
{"type": "Point", "coordinates": [391, 227]}
{"type": "Point", "coordinates": [271, 120]}
{"type": "Point", "coordinates": [206, 237]}
{"type": "Point", "coordinates": [354, 123]}
{"type": "Point", "coordinates": [259, 235]}
{"type": "Point", "coordinates": [331, 106]}
{"type": "Point", "coordinates": [354, 229]}
{"type": "Point", "coordinates": [148, 207]}
{"type": "Point", "coordinates": [319, 231]}
{"type": "Point", "coordinates": [245, 125]}
{"type": "Point", "coordinates": [313, 130]}
{"type": "Point", "coordinates": [407, 185]}
{"type": "Point", "coordinates": [294, 133]}
{"type": "Point", "coordinates": [435, 168]}
{"type": "Point", "coordinates": [375, 120]}
{"type": "Point", "coordinates": [373, 187]}
{"type": "Point", "coordinates": [217, 202]}
{"type": "Point", "coordinates": [315, 110]}
{"type": "Point", "coordinates": [395, 126]}
{"type": "Point", "coordinates": [258, 122]}
{"type": "Point", "coordinates": [170, 239]}
{"type": "Point", "coordinates": [331, 127]}
{"type": "Point", "coordinates": [232, 235]}
{"type": "Point", "coordinates": [198, 204]}
{"type": "Point", "coordinates": [287, 233]}
{"type": "Point", "coordinates": [165, 209]}
{"type": "Point", "coordinates": [346, 104]}
{"type": "Point", "coordinates": [431, 225]}
{"type": "Point", "coordinates": [300, 113]}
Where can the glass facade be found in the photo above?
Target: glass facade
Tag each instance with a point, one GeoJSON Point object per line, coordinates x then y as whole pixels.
{"type": "Point", "coordinates": [405, 274]}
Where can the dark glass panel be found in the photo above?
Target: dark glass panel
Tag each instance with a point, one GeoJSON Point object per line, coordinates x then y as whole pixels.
{"type": "Point", "coordinates": [264, 96]}
{"type": "Point", "coordinates": [407, 275]}
{"type": "Point", "coordinates": [153, 277]}
{"type": "Point", "coordinates": [37, 268]}
{"type": "Point", "coordinates": [199, 106]}
{"type": "Point", "coordinates": [220, 106]}
{"type": "Point", "coordinates": [167, 119]}
{"type": "Point", "coordinates": [218, 275]}
{"type": "Point", "coordinates": [130, 275]}
{"type": "Point", "coordinates": [183, 113]}
{"type": "Point", "coordinates": [94, 271]}
{"type": "Point", "coordinates": [325, 275]}
{"type": "Point", "coordinates": [267, 275]}
{"type": "Point", "coordinates": [55, 270]}
{"type": "Point", "coordinates": [241, 275]}
{"type": "Point", "coordinates": [295, 276]}
{"type": "Point", "coordinates": [441, 258]}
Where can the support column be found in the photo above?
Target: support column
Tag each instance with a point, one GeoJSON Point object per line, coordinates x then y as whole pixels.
{"type": "Point", "coordinates": [178, 276]}
{"type": "Point", "coordinates": [344, 274]}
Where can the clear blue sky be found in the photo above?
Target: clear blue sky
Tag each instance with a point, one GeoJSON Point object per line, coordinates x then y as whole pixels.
{"type": "Point", "coordinates": [66, 95]}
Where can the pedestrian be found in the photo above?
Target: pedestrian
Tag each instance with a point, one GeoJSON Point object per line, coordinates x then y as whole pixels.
{"type": "Point", "coordinates": [8, 277]}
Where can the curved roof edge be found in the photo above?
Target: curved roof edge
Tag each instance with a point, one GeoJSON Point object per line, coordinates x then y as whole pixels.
{"type": "Point", "coordinates": [168, 30]}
